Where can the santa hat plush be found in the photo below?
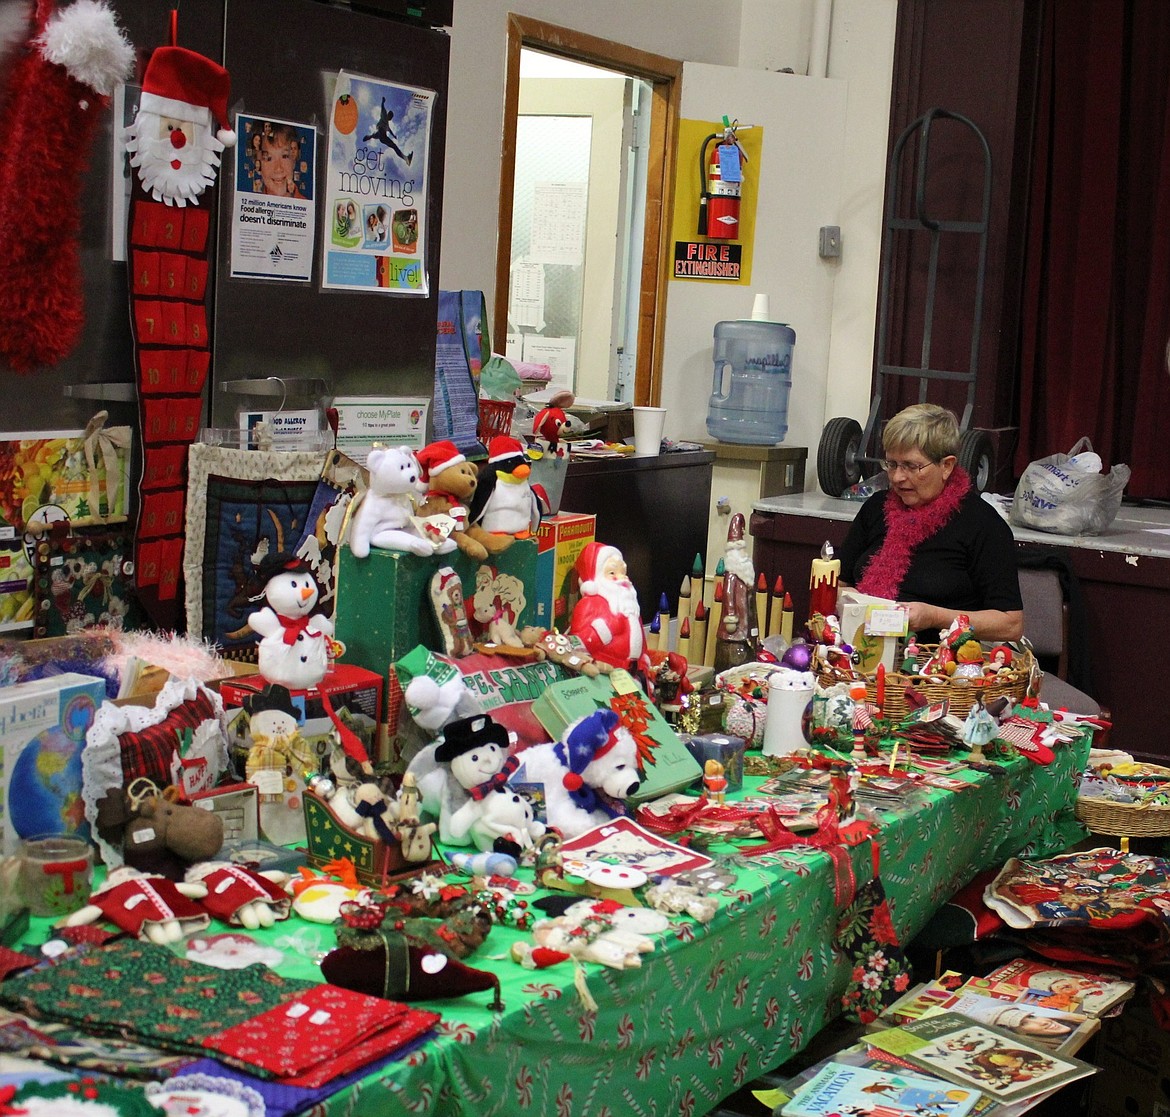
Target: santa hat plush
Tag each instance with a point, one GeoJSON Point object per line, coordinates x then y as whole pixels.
{"type": "Point", "coordinates": [182, 84]}
{"type": "Point", "coordinates": [502, 447]}
{"type": "Point", "coordinates": [437, 457]}
{"type": "Point", "coordinates": [584, 741]}
{"type": "Point", "coordinates": [589, 563]}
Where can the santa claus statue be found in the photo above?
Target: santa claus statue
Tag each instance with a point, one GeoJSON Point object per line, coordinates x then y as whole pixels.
{"type": "Point", "coordinates": [607, 618]}
{"type": "Point", "coordinates": [173, 143]}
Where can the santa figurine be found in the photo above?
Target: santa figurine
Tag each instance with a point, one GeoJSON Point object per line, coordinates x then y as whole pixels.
{"type": "Point", "coordinates": [174, 143]}
{"type": "Point", "coordinates": [608, 619]}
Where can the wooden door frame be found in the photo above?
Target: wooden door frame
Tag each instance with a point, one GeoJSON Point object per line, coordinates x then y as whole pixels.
{"type": "Point", "coordinates": [665, 78]}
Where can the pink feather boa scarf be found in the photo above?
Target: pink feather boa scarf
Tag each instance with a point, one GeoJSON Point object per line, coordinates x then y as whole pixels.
{"type": "Point", "coordinates": [906, 529]}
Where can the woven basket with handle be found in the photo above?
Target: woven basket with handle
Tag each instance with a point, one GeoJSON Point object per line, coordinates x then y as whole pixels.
{"type": "Point", "coordinates": [961, 694]}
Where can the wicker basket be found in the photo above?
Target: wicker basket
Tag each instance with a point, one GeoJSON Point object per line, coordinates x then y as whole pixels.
{"type": "Point", "coordinates": [961, 694]}
{"type": "Point", "coordinates": [1123, 820]}
{"type": "Point", "coordinates": [495, 417]}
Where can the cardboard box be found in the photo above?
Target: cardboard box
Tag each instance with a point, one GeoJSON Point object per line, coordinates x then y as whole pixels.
{"type": "Point", "coordinates": [1133, 1053]}
{"type": "Point", "coordinates": [559, 540]}
{"type": "Point", "coordinates": [384, 606]}
{"type": "Point", "coordinates": [355, 694]}
{"type": "Point", "coordinates": [42, 733]}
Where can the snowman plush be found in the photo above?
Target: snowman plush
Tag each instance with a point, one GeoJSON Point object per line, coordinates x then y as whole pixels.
{"type": "Point", "coordinates": [294, 642]}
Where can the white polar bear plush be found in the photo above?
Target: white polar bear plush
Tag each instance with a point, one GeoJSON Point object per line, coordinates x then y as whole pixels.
{"type": "Point", "coordinates": [383, 518]}
{"type": "Point", "coordinates": [587, 775]}
{"type": "Point", "coordinates": [504, 813]}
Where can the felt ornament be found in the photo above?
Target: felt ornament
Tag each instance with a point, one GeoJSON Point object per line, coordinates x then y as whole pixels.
{"type": "Point", "coordinates": [50, 110]}
{"type": "Point", "coordinates": [411, 960]}
{"type": "Point", "coordinates": [240, 896]}
{"type": "Point", "coordinates": [295, 643]}
{"type": "Point", "coordinates": [151, 907]}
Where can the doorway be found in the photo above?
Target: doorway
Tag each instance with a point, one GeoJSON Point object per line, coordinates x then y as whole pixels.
{"type": "Point", "coordinates": [585, 186]}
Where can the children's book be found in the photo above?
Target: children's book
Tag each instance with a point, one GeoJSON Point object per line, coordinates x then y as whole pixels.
{"type": "Point", "coordinates": [1053, 1028]}
{"type": "Point", "coordinates": [979, 1056]}
{"type": "Point", "coordinates": [1043, 984]}
{"type": "Point", "coordinates": [838, 1088]}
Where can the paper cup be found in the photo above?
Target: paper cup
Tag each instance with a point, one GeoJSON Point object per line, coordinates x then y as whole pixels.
{"type": "Point", "coordinates": [56, 873]}
{"type": "Point", "coordinates": [648, 424]}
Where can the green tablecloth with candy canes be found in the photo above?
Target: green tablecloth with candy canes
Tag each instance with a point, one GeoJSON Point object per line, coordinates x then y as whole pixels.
{"type": "Point", "coordinates": [715, 1005]}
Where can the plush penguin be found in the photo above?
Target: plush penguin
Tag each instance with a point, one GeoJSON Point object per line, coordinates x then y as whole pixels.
{"type": "Point", "coordinates": [506, 505]}
{"type": "Point", "coordinates": [294, 643]}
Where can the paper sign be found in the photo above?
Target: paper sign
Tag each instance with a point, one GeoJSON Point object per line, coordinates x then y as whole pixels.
{"type": "Point", "coordinates": [366, 421]}
{"type": "Point", "coordinates": [887, 620]}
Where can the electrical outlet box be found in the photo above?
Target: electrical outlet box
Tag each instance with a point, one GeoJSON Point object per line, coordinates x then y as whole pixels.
{"type": "Point", "coordinates": [830, 246]}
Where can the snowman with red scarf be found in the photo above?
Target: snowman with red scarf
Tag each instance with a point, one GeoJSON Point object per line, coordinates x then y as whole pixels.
{"type": "Point", "coordinates": [295, 643]}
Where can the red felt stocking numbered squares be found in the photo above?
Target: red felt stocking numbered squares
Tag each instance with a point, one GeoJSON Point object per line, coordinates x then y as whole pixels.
{"type": "Point", "coordinates": [174, 148]}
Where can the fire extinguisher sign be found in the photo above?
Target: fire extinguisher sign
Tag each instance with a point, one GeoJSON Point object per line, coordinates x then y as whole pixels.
{"type": "Point", "coordinates": [698, 259]}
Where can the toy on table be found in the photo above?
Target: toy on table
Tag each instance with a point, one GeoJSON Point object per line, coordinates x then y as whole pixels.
{"type": "Point", "coordinates": [158, 835]}
{"type": "Point", "coordinates": [451, 481]}
{"type": "Point", "coordinates": [999, 661]}
{"type": "Point", "coordinates": [715, 781]}
{"type": "Point", "coordinates": [860, 717]}
{"type": "Point", "coordinates": [384, 517]}
{"type": "Point", "coordinates": [505, 816]}
{"type": "Point", "coordinates": [738, 636]}
{"type": "Point", "coordinates": [276, 762]}
{"type": "Point", "coordinates": [910, 655]}
{"type": "Point", "coordinates": [966, 649]}
{"type": "Point", "coordinates": [434, 703]}
{"type": "Point", "coordinates": [318, 897]}
{"type": "Point", "coordinates": [979, 729]}
{"type": "Point", "coordinates": [240, 896]}
{"type": "Point", "coordinates": [295, 644]}
{"type": "Point", "coordinates": [412, 833]}
{"type": "Point", "coordinates": [562, 648]}
{"type": "Point", "coordinates": [608, 618]}
{"type": "Point", "coordinates": [475, 752]}
{"type": "Point", "coordinates": [152, 907]}
{"type": "Point", "coordinates": [507, 506]}
{"type": "Point", "coordinates": [587, 775]}
{"type": "Point", "coordinates": [485, 864]}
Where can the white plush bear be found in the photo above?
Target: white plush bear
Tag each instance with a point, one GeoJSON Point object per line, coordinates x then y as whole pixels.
{"type": "Point", "coordinates": [587, 775]}
{"type": "Point", "coordinates": [438, 703]}
{"type": "Point", "coordinates": [383, 518]}
{"type": "Point", "coordinates": [504, 813]}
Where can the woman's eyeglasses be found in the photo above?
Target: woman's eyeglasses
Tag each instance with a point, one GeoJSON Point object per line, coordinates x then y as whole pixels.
{"type": "Point", "coordinates": [911, 468]}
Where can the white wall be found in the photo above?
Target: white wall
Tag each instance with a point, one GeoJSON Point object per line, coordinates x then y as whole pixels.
{"type": "Point", "coordinates": [833, 365]}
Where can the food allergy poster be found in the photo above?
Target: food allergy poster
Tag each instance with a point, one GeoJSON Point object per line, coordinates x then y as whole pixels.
{"type": "Point", "coordinates": [376, 187]}
{"type": "Point", "coordinates": [274, 218]}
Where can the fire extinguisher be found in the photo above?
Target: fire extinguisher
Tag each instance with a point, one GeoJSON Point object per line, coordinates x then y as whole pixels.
{"type": "Point", "coordinates": [719, 200]}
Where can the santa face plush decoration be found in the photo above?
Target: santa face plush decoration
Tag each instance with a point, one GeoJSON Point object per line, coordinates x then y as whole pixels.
{"type": "Point", "coordinates": [294, 643]}
{"type": "Point", "coordinates": [173, 143]}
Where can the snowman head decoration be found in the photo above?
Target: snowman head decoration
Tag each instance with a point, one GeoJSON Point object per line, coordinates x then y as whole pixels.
{"type": "Point", "coordinates": [291, 591]}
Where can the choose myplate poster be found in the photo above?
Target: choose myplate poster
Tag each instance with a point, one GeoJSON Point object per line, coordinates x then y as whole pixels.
{"type": "Point", "coordinates": [376, 186]}
{"type": "Point", "coordinates": [274, 216]}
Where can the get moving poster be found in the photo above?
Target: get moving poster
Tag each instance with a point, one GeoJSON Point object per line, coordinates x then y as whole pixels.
{"type": "Point", "coordinates": [376, 186]}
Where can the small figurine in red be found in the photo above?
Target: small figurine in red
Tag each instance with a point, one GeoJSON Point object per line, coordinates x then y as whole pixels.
{"type": "Point", "coordinates": [608, 619]}
{"type": "Point", "coordinates": [715, 781]}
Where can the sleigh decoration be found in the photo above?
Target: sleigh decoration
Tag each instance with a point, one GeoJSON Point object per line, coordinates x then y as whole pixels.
{"type": "Point", "coordinates": [377, 862]}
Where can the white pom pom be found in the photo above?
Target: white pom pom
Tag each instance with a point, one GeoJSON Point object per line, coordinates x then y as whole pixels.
{"type": "Point", "coordinates": [226, 137]}
{"type": "Point", "coordinates": [86, 40]}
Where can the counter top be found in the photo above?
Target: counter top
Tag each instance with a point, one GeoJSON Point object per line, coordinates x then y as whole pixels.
{"type": "Point", "coordinates": [1137, 530]}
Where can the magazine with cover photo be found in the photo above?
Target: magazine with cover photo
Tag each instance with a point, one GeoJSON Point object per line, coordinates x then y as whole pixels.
{"type": "Point", "coordinates": [1002, 1065]}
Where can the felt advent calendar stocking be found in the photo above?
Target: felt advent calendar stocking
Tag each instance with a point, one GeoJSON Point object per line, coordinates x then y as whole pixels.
{"type": "Point", "coordinates": [52, 100]}
{"type": "Point", "coordinates": [174, 148]}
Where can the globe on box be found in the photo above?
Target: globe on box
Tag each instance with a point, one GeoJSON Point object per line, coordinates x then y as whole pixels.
{"type": "Point", "coordinates": [44, 787]}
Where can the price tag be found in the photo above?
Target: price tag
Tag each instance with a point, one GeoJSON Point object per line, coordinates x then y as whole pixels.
{"type": "Point", "coordinates": [623, 682]}
{"type": "Point", "coordinates": [887, 620]}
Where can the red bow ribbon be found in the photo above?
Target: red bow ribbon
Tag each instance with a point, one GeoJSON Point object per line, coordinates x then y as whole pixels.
{"type": "Point", "coordinates": [293, 627]}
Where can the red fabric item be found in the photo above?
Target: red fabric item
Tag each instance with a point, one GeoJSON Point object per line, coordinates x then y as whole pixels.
{"type": "Point", "coordinates": [1096, 301]}
{"type": "Point", "coordinates": [230, 887]}
{"type": "Point", "coordinates": [906, 528]}
{"type": "Point", "coordinates": [47, 123]}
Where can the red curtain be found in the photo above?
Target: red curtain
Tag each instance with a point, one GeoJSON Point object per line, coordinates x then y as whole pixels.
{"type": "Point", "coordinates": [1096, 314]}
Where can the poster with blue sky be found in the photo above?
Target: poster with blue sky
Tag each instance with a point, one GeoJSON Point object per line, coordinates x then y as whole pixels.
{"type": "Point", "coordinates": [376, 187]}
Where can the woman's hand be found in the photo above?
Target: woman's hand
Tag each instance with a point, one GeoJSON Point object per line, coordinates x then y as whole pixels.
{"type": "Point", "coordinates": [923, 616]}
{"type": "Point", "coordinates": [989, 624]}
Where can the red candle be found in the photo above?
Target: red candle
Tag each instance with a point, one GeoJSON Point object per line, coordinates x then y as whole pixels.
{"type": "Point", "coordinates": [822, 583]}
{"type": "Point", "coordinates": [880, 688]}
